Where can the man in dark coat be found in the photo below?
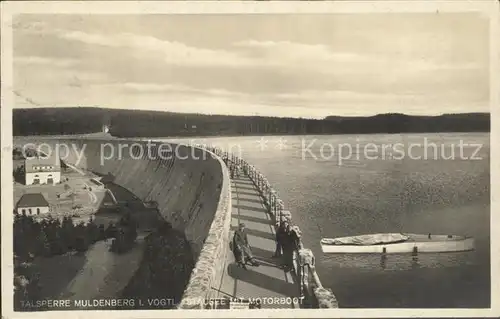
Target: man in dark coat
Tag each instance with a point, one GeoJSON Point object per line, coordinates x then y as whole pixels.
{"type": "Point", "coordinates": [280, 234]}
{"type": "Point", "coordinates": [241, 248]}
{"type": "Point", "coordinates": [290, 244]}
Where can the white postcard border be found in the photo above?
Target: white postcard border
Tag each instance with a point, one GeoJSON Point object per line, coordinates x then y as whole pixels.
{"type": "Point", "coordinates": [8, 9]}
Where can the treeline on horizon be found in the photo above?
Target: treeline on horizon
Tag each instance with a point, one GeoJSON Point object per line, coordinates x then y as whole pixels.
{"type": "Point", "coordinates": [136, 123]}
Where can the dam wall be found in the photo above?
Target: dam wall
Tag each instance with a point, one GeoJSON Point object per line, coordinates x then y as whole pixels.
{"type": "Point", "coordinates": [190, 186]}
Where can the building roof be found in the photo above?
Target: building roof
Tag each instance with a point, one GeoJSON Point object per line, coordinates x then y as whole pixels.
{"type": "Point", "coordinates": [53, 161]}
{"type": "Point", "coordinates": [32, 200]}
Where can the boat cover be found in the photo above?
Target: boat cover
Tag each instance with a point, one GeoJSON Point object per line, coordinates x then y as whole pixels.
{"type": "Point", "coordinates": [364, 240]}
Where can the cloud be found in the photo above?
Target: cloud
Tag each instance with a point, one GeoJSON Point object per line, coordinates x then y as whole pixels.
{"type": "Point", "coordinates": [173, 89]}
{"type": "Point", "coordinates": [331, 98]}
{"type": "Point", "coordinates": [396, 62]}
{"type": "Point", "coordinates": [143, 46]}
{"type": "Point", "coordinates": [53, 75]}
{"type": "Point", "coordinates": [170, 52]}
{"type": "Point", "coordinates": [152, 87]}
{"type": "Point", "coordinates": [278, 55]}
{"type": "Point", "coordinates": [244, 75]}
{"type": "Point", "coordinates": [31, 27]}
{"type": "Point", "coordinates": [38, 60]}
{"type": "Point", "coordinates": [323, 58]}
{"type": "Point", "coordinates": [242, 54]}
{"type": "Point", "coordinates": [292, 51]}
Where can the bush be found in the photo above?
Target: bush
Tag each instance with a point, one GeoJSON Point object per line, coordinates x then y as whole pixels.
{"type": "Point", "coordinates": [52, 237]}
{"type": "Point", "coordinates": [82, 244]}
{"type": "Point", "coordinates": [124, 239]}
{"type": "Point", "coordinates": [45, 238]}
{"type": "Point", "coordinates": [102, 232]}
{"type": "Point", "coordinates": [164, 228]}
{"type": "Point", "coordinates": [43, 245]}
{"type": "Point", "coordinates": [110, 232]}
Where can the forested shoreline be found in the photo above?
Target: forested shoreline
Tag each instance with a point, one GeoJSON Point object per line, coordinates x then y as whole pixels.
{"type": "Point", "coordinates": [135, 123]}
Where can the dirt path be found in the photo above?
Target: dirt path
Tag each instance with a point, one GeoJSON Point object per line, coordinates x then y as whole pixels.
{"type": "Point", "coordinates": [105, 274]}
{"type": "Point", "coordinates": [76, 169]}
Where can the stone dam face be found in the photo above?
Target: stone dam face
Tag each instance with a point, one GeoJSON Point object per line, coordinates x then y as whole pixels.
{"type": "Point", "coordinates": [190, 186]}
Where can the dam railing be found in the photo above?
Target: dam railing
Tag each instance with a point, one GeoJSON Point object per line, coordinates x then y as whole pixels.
{"type": "Point", "coordinates": [311, 290]}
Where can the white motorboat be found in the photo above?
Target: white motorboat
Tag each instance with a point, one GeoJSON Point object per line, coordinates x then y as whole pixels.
{"type": "Point", "coordinates": [393, 243]}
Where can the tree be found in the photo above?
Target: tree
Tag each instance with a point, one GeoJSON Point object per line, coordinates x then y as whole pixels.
{"type": "Point", "coordinates": [33, 288]}
{"type": "Point", "coordinates": [64, 167]}
{"type": "Point", "coordinates": [132, 233]}
{"type": "Point", "coordinates": [164, 227]}
{"type": "Point", "coordinates": [81, 240]}
{"type": "Point", "coordinates": [81, 244]}
{"type": "Point", "coordinates": [20, 291]}
{"type": "Point", "coordinates": [57, 246]}
{"type": "Point", "coordinates": [118, 243]}
{"type": "Point", "coordinates": [68, 233]}
{"type": "Point", "coordinates": [19, 237]}
{"type": "Point", "coordinates": [42, 245]}
{"type": "Point", "coordinates": [102, 232]}
{"type": "Point", "coordinates": [92, 232]}
{"type": "Point", "coordinates": [110, 232]}
{"type": "Point", "coordinates": [126, 219]}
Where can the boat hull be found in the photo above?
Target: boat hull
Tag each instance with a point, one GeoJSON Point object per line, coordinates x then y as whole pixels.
{"type": "Point", "coordinates": [415, 243]}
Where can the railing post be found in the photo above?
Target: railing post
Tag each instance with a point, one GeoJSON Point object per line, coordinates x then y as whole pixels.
{"type": "Point", "coordinates": [281, 207]}
{"type": "Point", "coordinates": [261, 184]}
{"type": "Point", "coordinates": [275, 197]}
{"type": "Point", "coordinates": [270, 201]}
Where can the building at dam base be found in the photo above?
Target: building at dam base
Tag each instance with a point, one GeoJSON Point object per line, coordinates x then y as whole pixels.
{"type": "Point", "coordinates": [32, 204]}
{"type": "Point", "coordinates": [42, 170]}
{"type": "Point", "coordinates": [192, 191]}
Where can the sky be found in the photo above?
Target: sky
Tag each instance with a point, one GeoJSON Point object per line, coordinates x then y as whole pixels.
{"type": "Point", "coordinates": [298, 65]}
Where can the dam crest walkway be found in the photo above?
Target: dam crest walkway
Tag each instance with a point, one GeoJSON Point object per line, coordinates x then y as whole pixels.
{"type": "Point", "coordinates": [268, 282]}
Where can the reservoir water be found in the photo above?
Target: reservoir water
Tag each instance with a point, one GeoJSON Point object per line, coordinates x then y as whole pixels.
{"type": "Point", "coordinates": [342, 185]}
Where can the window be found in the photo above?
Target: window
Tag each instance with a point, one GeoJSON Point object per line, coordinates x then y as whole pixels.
{"type": "Point", "coordinates": [29, 210]}
{"type": "Point", "coordinates": [24, 211]}
{"type": "Point", "coordinates": [38, 211]}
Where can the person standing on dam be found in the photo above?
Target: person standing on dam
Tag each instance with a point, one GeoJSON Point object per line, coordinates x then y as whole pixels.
{"type": "Point", "coordinates": [290, 243]}
{"type": "Point", "coordinates": [280, 238]}
{"type": "Point", "coordinates": [241, 248]}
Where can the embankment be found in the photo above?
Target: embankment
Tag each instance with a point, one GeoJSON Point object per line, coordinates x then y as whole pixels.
{"type": "Point", "coordinates": [189, 185]}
